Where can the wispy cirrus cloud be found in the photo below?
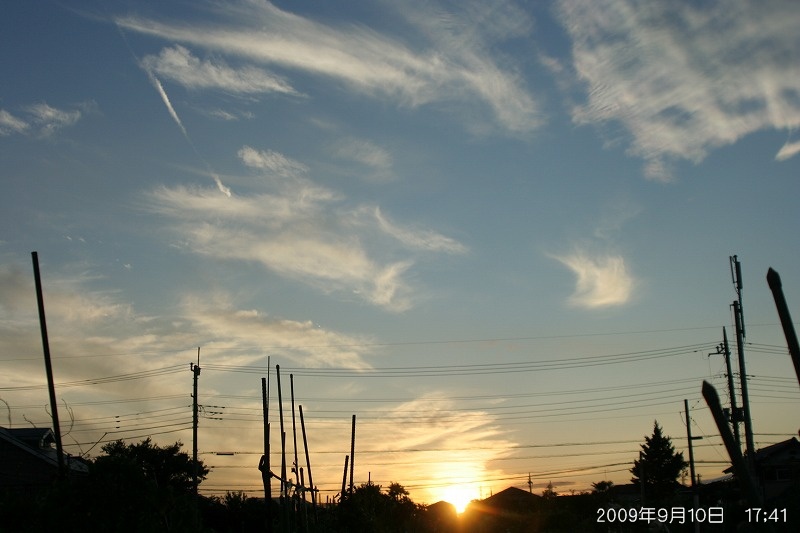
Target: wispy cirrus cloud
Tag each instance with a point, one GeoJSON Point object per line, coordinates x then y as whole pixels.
{"type": "Point", "coordinates": [601, 280]}
{"type": "Point", "coordinates": [301, 231]}
{"type": "Point", "coordinates": [41, 119]}
{"type": "Point", "coordinates": [419, 239]}
{"type": "Point", "coordinates": [252, 331]}
{"type": "Point", "coordinates": [272, 161]}
{"type": "Point", "coordinates": [10, 124]}
{"type": "Point", "coordinates": [684, 78]}
{"type": "Point", "coordinates": [376, 159]}
{"type": "Point", "coordinates": [442, 66]}
{"type": "Point", "coordinates": [179, 65]}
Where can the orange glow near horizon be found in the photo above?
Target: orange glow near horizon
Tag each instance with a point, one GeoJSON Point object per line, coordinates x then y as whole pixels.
{"type": "Point", "coordinates": [459, 496]}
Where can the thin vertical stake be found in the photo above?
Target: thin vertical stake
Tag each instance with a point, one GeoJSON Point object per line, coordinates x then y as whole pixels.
{"type": "Point", "coordinates": [308, 464]}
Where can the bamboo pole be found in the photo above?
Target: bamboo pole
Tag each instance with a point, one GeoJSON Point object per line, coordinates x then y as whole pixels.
{"type": "Point", "coordinates": [344, 478]}
{"type": "Point", "coordinates": [48, 367]}
{"type": "Point", "coordinates": [775, 285]}
{"type": "Point", "coordinates": [352, 452]}
{"type": "Point", "coordinates": [308, 464]}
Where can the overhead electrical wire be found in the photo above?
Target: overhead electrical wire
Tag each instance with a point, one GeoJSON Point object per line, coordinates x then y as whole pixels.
{"type": "Point", "coordinates": [477, 369]}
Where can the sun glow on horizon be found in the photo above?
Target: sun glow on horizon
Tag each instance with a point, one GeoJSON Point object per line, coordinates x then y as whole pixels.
{"type": "Point", "coordinates": [460, 496]}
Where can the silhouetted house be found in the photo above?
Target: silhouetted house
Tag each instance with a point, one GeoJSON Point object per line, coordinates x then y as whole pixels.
{"type": "Point", "coordinates": [28, 458]}
{"type": "Point", "coordinates": [511, 509]}
{"type": "Point", "coordinates": [778, 467]}
{"type": "Point", "coordinates": [627, 495]}
{"type": "Point", "coordinates": [441, 517]}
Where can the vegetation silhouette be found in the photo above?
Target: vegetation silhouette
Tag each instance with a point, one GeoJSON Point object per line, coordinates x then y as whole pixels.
{"type": "Point", "coordinates": [658, 468]}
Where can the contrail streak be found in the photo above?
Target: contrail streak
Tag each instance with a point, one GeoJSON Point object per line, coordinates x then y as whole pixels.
{"type": "Point", "coordinates": [164, 98]}
{"type": "Point", "coordinates": [160, 88]}
{"type": "Point", "coordinates": [157, 84]}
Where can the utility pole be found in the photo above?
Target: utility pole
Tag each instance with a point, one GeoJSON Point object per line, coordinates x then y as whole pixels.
{"type": "Point", "coordinates": [736, 413]}
{"type": "Point", "coordinates": [530, 483]}
{"type": "Point", "coordinates": [48, 367]}
{"type": "Point", "coordinates": [695, 496]}
{"type": "Point", "coordinates": [196, 372]}
{"type": "Point", "coordinates": [266, 474]}
{"type": "Point", "coordinates": [738, 316]}
{"type": "Point", "coordinates": [748, 424]}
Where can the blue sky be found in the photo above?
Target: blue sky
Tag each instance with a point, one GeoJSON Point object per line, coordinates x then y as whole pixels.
{"type": "Point", "coordinates": [444, 218]}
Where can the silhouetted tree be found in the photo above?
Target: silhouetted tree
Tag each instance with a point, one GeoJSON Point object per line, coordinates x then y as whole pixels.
{"type": "Point", "coordinates": [369, 509]}
{"type": "Point", "coordinates": [144, 486]}
{"type": "Point", "coordinates": [602, 487]}
{"type": "Point", "coordinates": [549, 493]}
{"type": "Point", "coordinates": [659, 468]}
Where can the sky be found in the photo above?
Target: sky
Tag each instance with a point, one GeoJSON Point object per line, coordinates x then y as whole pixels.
{"type": "Point", "coordinates": [497, 233]}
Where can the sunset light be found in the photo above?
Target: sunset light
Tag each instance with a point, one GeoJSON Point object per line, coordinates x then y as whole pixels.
{"type": "Point", "coordinates": [459, 496]}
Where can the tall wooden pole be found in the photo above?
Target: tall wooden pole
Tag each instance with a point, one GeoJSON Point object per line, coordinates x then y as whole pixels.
{"type": "Point", "coordinates": [352, 452]}
{"type": "Point", "coordinates": [48, 367]}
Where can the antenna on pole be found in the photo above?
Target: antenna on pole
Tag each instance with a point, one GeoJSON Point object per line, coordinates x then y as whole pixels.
{"type": "Point", "coordinates": [738, 316]}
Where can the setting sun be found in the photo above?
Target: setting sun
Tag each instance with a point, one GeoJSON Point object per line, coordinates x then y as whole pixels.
{"type": "Point", "coordinates": [459, 496]}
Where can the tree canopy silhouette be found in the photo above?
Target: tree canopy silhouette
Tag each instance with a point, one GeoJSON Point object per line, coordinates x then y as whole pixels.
{"type": "Point", "coordinates": [659, 466]}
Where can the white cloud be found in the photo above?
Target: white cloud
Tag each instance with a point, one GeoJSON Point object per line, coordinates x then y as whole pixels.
{"type": "Point", "coordinates": [788, 150]}
{"type": "Point", "coordinates": [420, 239]}
{"type": "Point", "coordinates": [684, 78]}
{"type": "Point", "coordinates": [179, 65]}
{"type": "Point", "coordinates": [274, 162]}
{"type": "Point", "coordinates": [376, 159]}
{"type": "Point", "coordinates": [444, 67]}
{"type": "Point", "coordinates": [602, 281]}
{"type": "Point", "coordinates": [41, 120]}
{"type": "Point", "coordinates": [251, 331]}
{"type": "Point", "coordinates": [364, 152]}
{"type": "Point", "coordinates": [302, 231]}
{"type": "Point", "coordinates": [10, 124]}
{"type": "Point", "coordinates": [49, 119]}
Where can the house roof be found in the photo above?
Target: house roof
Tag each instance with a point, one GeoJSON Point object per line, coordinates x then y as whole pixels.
{"type": "Point", "coordinates": [36, 441]}
{"type": "Point", "coordinates": [36, 437]}
{"type": "Point", "coordinates": [778, 453]}
{"type": "Point", "coordinates": [788, 449]}
{"type": "Point", "coordinates": [512, 497]}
